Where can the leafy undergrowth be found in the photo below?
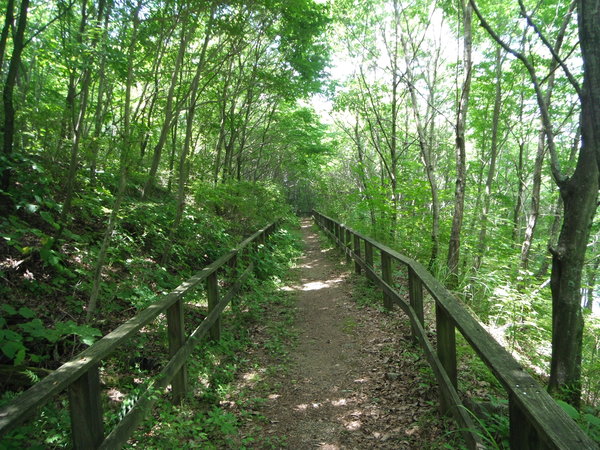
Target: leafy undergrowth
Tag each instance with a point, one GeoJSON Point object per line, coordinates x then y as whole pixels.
{"type": "Point", "coordinates": [219, 373]}
{"type": "Point", "coordinates": [201, 421]}
{"type": "Point", "coordinates": [46, 273]}
{"type": "Point", "coordinates": [47, 267]}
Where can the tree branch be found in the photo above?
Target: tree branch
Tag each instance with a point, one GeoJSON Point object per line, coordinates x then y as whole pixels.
{"type": "Point", "coordinates": [557, 58]}
{"type": "Point", "coordinates": [559, 178]}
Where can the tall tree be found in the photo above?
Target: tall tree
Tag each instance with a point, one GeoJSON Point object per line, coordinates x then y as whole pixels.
{"type": "Point", "coordinates": [579, 193]}
{"type": "Point", "coordinates": [169, 113]}
{"type": "Point", "coordinates": [8, 101]}
{"type": "Point", "coordinates": [123, 167]}
{"type": "Point", "coordinates": [461, 164]}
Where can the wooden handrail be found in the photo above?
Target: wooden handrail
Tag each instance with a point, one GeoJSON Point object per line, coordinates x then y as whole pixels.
{"type": "Point", "coordinates": [536, 420]}
{"type": "Point", "coordinates": [80, 375]}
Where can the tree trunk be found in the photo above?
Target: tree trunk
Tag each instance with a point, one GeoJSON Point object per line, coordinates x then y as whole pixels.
{"type": "Point", "coordinates": [459, 191]}
{"type": "Point", "coordinates": [9, 107]}
{"type": "Point", "coordinates": [168, 113]}
{"type": "Point", "coordinates": [9, 18]}
{"type": "Point", "coordinates": [481, 244]}
{"type": "Point", "coordinates": [580, 200]}
{"type": "Point", "coordinates": [552, 238]}
{"type": "Point", "coordinates": [539, 158]}
{"type": "Point", "coordinates": [591, 283]}
{"type": "Point", "coordinates": [100, 108]}
{"type": "Point", "coordinates": [362, 173]}
{"type": "Point", "coordinates": [519, 200]}
{"type": "Point", "coordinates": [125, 154]}
{"type": "Point", "coordinates": [79, 118]}
{"type": "Point", "coordinates": [425, 147]}
{"type": "Point", "coordinates": [187, 142]}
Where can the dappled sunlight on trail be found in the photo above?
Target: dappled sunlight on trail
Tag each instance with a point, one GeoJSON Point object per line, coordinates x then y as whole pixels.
{"type": "Point", "coordinates": [334, 394]}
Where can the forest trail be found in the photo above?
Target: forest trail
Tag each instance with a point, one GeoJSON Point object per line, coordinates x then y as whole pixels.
{"type": "Point", "coordinates": [355, 380]}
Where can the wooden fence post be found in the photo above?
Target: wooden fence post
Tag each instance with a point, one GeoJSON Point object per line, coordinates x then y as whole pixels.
{"type": "Point", "coordinates": [212, 291]}
{"type": "Point", "coordinates": [446, 348]}
{"type": "Point", "coordinates": [386, 274]}
{"type": "Point", "coordinates": [415, 295]}
{"type": "Point", "coordinates": [348, 246]}
{"type": "Point", "coordinates": [234, 272]}
{"type": "Point", "coordinates": [259, 270]}
{"type": "Point", "coordinates": [87, 427]}
{"type": "Point", "coordinates": [522, 434]}
{"type": "Point", "coordinates": [357, 253]}
{"type": "Point", "coordinates": [176, 333]}
{"type": "Point", "coordinates": [369, 258]}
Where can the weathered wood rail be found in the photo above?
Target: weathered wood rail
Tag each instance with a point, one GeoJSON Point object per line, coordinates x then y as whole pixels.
{"type": "Point", "coordinates": [80, 376]}
{"type": "Point", "coordinates": [536, 421]}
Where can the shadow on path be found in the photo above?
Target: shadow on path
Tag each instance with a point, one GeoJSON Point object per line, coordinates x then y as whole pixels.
{"type": "Point", "coordinates": [354, 381]}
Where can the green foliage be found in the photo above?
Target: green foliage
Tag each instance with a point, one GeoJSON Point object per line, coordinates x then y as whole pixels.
{"type": "Point", "coordinates": [51, 430]}
{"type": "Point", "coordinates": [202, 419]}
{"type": "Point", "coordinates": [588, 419]}
{"type": "Point", "coordinates": [245, 206]}
{"type": "Point", "coordinates": [22, 333]}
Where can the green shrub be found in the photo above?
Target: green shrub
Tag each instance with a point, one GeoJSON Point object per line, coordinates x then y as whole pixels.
{"type": "Point", "coordinates": [244, 205]}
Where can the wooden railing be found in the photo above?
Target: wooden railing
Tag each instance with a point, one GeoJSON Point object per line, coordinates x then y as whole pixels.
{"type": "Point", "coordinates": [81, 375]}
{"type": "Point", "coordinates": [536, 421]}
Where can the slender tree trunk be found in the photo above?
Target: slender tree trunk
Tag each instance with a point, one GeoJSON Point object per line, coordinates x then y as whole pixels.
{"type": "Point", "coordinates": [481, 244]}
{"type": "Point", "coordinates": [9, 107]}
{"type": "Point", "coordinates": [9, 18]}
{"type": "Point", "coordinates": [459, 191]}
{"type": "Point", "coordinates": [100, 107]}
{"type": "Point", "coordinates": [168, 113]}
{"type": "Point", "coordinates": [520, 187]}
{"type": "Point", "coordinates": [539, 158]}
{"type": "Point", "coordinates": [125, 154]}
{"type": "Point", "coordinates": [187, 142]}
{"type": "Point", "coordinates": [362, 173]}
{"type": "Point", "coordinates": [394, 123]}
{"type": "Point", "coordinates": [394, 159]}
{"type": "Point", "coordinates": [174, 133]}
{"type": "Point", "coordinates": [591, 284]}
{"type": "Point", "coordinates": [427, 156]}
{"type": "Point", "coordinates": [534, 210]}
{"type": "Point", "coordinates": [222, 123]}
{"type": "Point", "coordinates": [552, 238]}
{"type": "Point", "coordinates": [79, 118]}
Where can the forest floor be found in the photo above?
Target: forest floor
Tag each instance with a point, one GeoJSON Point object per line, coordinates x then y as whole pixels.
{"type": "Point", "coordinates": [353, 378]}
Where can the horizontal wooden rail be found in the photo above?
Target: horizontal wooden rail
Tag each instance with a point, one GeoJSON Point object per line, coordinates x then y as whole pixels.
{"type": "Point", "coordinates": [80, 375]}
{"type": "Point", "coordinates": [536, 420]}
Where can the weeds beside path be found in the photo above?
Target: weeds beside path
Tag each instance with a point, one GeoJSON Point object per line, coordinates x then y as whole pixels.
{"type": "Point", "coordinates": [353, 380]}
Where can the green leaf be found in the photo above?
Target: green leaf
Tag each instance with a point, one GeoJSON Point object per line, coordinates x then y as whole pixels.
{"type": "Point", "coordinates": [11, 348]}
{"type": "Point", "coordinates": [48, 218]}
{"type": "Point", "coordinates": [49, 256]}
{"type": "Point", "coordinates": [572, 412]}
{"type": "Point", "coordinates": [35, 328]}
{"type": "Point", "coordinates": [31, 208]}
{"type": "Point", "coordinates": [20, 357]}
{"type": "Point", "coordinates": [8, 309]}
{"type": "Point", "coordinates": [26, 312]}
{"type": "Point", "coordinates": [592, 420]}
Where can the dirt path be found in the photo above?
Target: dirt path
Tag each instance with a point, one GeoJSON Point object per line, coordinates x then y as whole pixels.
{"type": "Point", "coordinates": [355, 381]}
